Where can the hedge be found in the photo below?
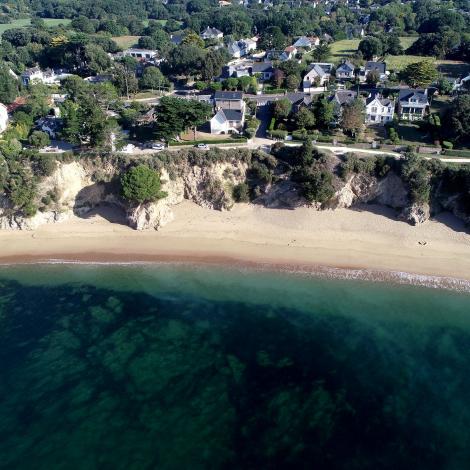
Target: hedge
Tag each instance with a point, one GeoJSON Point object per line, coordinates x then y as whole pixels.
{"type": "Point", "coordinates": [238, 140]}
{"type": "Point", "coordinates": [457, 153]}
{"type": "Point", "coordinates": [278, 134]}
{"type": "Point", "coordinates": [272, 123]}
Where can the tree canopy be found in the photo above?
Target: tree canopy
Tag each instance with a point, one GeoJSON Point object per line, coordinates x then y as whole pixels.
{"type": "Point", "coordinates": [141, 184]}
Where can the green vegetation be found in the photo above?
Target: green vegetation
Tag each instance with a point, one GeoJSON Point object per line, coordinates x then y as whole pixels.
{"type": "Point", "coordinates": [141, 184]}
{"type": "Point", "coordinates": [23, 23]}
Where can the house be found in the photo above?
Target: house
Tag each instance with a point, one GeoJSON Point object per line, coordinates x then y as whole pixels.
{"type": "Point", "coordinates": [212, 33]}
{"type": "Point", "coordinates": [229, 100]}
{"type": "Point", "coordinates": [241, 48]}
{"type": "Point", "coordinates": [47, 76]}
{"type": "Point", "coordinates": [340, 99]}
{"type": "Point", "coordinates": [288, 53]}
{"type": "Point", "coordinates": [176, 39]}
{"type": "Point", "coordinates": [305, 42]}
{"type": "Point", "coordinates": [51, 125]}
{"type": "Point", "coordinates": [143, 55]}
{"type": "Point", "coordinates": [3, 117]}
{"type": "Point", "coordinates": [373, 67]}
{"type": "Point", "coordinates": [235, 71]}
{"type": "Point", "coordinates": [227, 121]}
{"type": "Point", "coordinates": [264, 70]}
{"type": "Point", "coordinates": [299, 100]}
{"type": "Point", "coordinates": [345, 71]}
{"type": "Point", "coordinates": [413, 104]}
{"type": "Point", "coordinates": [99, 78]}
{"type": "Point", "coordinates": [379, 110]}
{"type": "Point", "coordinates": [318, 75]}
{"type": "Point", "coordinates": [230, 112]}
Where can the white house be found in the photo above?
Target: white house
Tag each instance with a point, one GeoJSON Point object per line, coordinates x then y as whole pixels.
{"type": "Point", "coordinates": [317, 76]}
{"type": "Point", "coordinates": [379, 110]}
{"type": "Point", "coordinates": [143, 55]}
{"type": "Point", "coordinates": [227, 121]}
{"type": "Point", "coordinates": [241, 48]}
{"type": "Point", "coordinates": [288, 53]}
{"type": "Point", "coordinates": [212, 33]}
{"type": "Point", "coordinates": [307, 42]}
{"type": "Point", "coordinates": [3, 117]}
{"type": "Point", "coordinates": [48, 76]}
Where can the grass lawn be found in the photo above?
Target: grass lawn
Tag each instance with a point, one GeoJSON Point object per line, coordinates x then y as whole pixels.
{"type": "Point", "coordinates": [348, 47]}
{"type": "Point", "coordinates": [411, 134]}
{"type": "Point", "coordinates": [344, 48]}
{"type": "Point", "coordinates": [399, 62]}
{"type": "Point", "coordinates": [26, 22]}
{"type": "Point", "coordinates": [407, 41]}
{"type": "Point", "coordinates": [440, 103]}
{"type": "Point", "coordinates": [125, 42]}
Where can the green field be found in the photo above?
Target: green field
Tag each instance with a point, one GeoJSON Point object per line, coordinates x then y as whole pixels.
{"type": "Point", "coordinates": [125, 42]}
{"type": "Point", "coordinates": [26, 22]}
{"type": "Point", "coordinates": [348, 47]}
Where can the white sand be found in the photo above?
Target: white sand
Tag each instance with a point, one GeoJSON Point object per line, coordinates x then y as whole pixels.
{"type": "Point", "coordinates": [369, 238]}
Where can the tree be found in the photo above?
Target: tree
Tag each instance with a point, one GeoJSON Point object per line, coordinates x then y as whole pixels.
{"type": "Point", "coordinates": [282, 108]}
{"type": "Point", "coordinates": [8, 86]}
{"type": "Point", "coordinates": [175, 115]}
{"type": "Point", "coordinates": [125, 80]}
{"type": "Point", "coordinates": [322, 53]}
{"type": "Point", "coordinates": [420, 74]}
{"type": "Point", "coordinates": [373, 77]}
{"type": "Point", "coordinates": [458, 119]}
{"type": "Point", "coordinates": [324, 111]}
{"type": "Point", "coordinates": [370, 46]}
{"type": "Point", "coordinates": [317, 184]}
{"type": "Point", "coordinates": [186, 60]}
{"type": "Point", "coordinates": [305, 119]}
{"type": "Point", "coordinates": [292, 82]}
{"type": "Point", "coordinates": [153, 79]}
{"type": "Point", "coordinates": [352, 117]}
{"type": "Point", "coordinates": [141, 184]}
{"type": "Point", "coordinates": [39, 139]}
{"type": "Point", "coordinates": [193, 39]}
{"type": "Point", "coordinates": [273, 38]}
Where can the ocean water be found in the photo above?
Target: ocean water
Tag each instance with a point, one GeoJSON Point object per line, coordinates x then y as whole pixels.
{"type": "Point", "coordinates": [179, 367]}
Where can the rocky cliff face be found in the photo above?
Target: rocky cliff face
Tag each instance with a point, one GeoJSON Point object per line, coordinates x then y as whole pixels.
{"type": "Point", "coordinates": [75, 192]}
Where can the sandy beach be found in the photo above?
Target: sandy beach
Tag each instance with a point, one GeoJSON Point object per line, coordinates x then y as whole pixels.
{"type": "Point", "coordinates": [368, 238]}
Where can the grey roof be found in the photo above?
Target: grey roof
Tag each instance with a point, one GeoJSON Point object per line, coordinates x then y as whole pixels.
{"type": "Point", "coordinates": [344, 96]}
{"type": "Point", "coordinates": [378, 66]}
{"type": "Point", "coordinates": [259, 67]}
{"type": "Point", "coordinates": [382, 101]}
{"type": "Point", "coordinates": [298, 98]}
{"type": "Point", "coordinates": [208, 32]}
{"type": "Point", "coordinates": [228, 95]}
{"type": "Point", "coordinates": [233, 114]}
{"type": "Point", "coordinates": [303, 41]}
{"type": "Point", "coordinates": [345, 67]}
{"type": "Point", "coordinates": [419, 95]}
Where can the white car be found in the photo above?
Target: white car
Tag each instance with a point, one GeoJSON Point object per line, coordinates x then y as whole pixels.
{"type": "Point", "coordinates": [158, 147]}
{"type": "Point", "coordinates": [202, 146]}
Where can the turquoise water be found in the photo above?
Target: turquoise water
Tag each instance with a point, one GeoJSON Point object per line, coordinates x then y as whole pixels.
{"type": "Point", "coordinates": [171, 367]}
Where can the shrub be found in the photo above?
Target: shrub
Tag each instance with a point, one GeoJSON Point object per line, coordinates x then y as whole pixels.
{"type": "Point", "coordinates": [272, 123]}
{"type": "Point", "coordinates": [447, 145]}
{"type": "Point", "coordinates": [317, 185]}
{"type": "Point", "coordinates": [39, 139]}
{"type": "Point", "coordinates": [278, 134]}
{"type": "Point", "coordinates": [45, 164]}
{"type": "Point", "coordinates": [250, 132]}
{"type": "Point", "coordinates": [141, 184]}
{"type": "Point", "coordinates": [241, 193]}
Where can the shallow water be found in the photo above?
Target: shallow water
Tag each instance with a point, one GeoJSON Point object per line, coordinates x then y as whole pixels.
{"type": "Point", "coordinates": [173, 367]}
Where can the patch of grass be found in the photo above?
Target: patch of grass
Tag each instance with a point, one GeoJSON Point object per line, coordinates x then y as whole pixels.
{"type": "Point", "coordinates": [453, 68]}
{"type": "Point", "coordinates": [411, 134]}
{"type": "Point", "coordinates": [24, 22]}
{"type": "Point", "coordinates": [126, 42]}
{"type": "Point", "coordinates": [344, 48]}
{"type": "Point", "coordinates": [407, 41]}
{"type": "Point", "coordinates": [398, 62]}
{"type": "Point", "coordinates": [440, 103]}
{"type": "Point", "coordinates": [235, 140]}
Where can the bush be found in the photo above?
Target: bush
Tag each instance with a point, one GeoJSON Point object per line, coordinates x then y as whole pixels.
{"type": "Point", "coordinates": [39, 139]}
{"type": "Point", "coordinates": [45, 165]}
{"type": "Point", "coordinates": [250, 132]}
{"type": "Point", "coordinates": [241, 193]}
{"type": "Point", "coordinates": [141, 184]}
{"type": "Point", "coordinates": [278, 134]}
{"type": "Point", "coordinates": [447, 145]}
{"type": "Point", "coordinates": [317, 185]}
{"type": "Point", "coordinates": [272, 123]}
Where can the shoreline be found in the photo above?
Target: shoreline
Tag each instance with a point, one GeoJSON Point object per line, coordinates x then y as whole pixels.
{"type": "Point", "coordinates": [365, 243]}
{"type": "Point", "coordinates": [317, 271]}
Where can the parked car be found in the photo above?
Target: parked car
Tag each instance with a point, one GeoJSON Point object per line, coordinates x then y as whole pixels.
{"type": "Point", "coordinates": [202, 146]}
{"type": "Point", "coordinates": [158, 146]}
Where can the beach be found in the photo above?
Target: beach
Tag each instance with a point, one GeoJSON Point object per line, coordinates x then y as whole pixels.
{"type": "Point", "coordinates": [367, 238]}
